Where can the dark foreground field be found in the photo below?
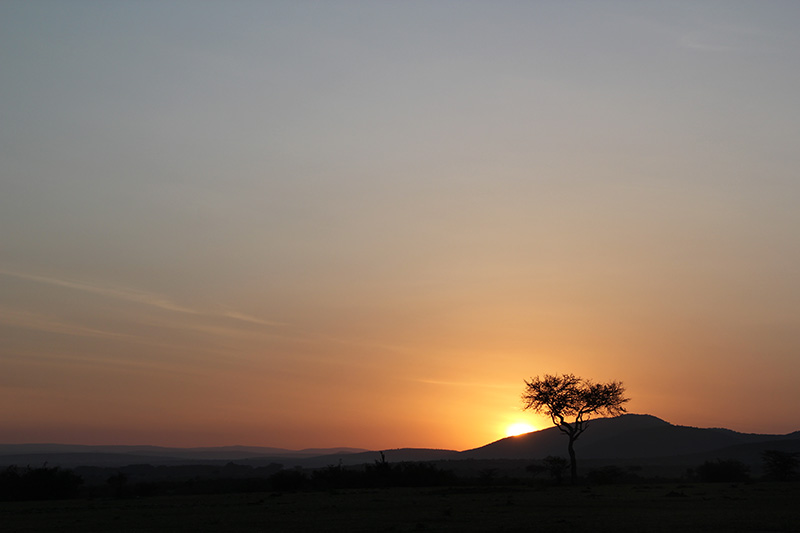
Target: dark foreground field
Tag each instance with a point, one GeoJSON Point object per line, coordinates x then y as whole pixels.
{"type": "Point", "coordinates": [673, 507]}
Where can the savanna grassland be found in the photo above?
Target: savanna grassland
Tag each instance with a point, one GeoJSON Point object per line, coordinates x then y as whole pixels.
{"type": "Point", "coordinates": [642, 507]}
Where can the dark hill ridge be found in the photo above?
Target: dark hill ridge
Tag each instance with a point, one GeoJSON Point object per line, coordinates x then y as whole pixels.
{"type": "Point", "coordinates": [72, 455]}
{"type": "Point", "coordinates": [218, 452]}
{"type": "Point", "coordinates": [628, 436]}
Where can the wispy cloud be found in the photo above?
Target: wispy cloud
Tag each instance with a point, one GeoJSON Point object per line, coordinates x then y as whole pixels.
{"type": "Point", "coordinates": [136, 296]}
{"type": "Point", "coordinates": [129, 295]}
{"type": "Point", "coordinates": [724, 38]}
{"type": "Point", "coordinates": [696, 42]}
{"type": "Point", "coordinates": [40, 322]}
{"type": "Point", "coordinates": [711, 37]}
{"type": "Point", "coordinates": [235, 315]}
{"type": "Point", "coordinates": [470, 384]}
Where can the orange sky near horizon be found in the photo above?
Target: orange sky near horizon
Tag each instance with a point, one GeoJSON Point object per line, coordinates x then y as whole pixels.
{"type": "Point", "coordinates": [366, 224]}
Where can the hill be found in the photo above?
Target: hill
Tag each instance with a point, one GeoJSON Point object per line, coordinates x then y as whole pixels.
{"type": "Point", "coordinates": [628, 439]}
{"type": "Point", "coordinates": [628, 436]}
{"type": "Point", "coordinates": [647, 442]}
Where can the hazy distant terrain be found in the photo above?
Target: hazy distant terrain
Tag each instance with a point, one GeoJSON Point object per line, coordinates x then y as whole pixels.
{"type": "Point", "coordinates": [628, 439]}
{"type": "Point", "coordinates": [71, 455]}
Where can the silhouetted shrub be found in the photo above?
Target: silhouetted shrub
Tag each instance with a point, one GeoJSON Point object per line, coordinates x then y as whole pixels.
{"type": "Point", "coordinates": [288, 480]}
{"type": "Point", "coordinates": [556, 467]}
{"type": "Point", "coordinates": [779, 465]}
{"type": "Point", "coordinates": [38, 484]}
{"type": "Point", "coordinates": [606, 475]}
{"type": "Point", "coordinates": [487, 476]}
{"type": "Point", "coordinates": [119, 484]}
{"type": "Point", "coordinates": [379, 473]}
{"type": "Point", "coordinates": [421, 475]}
{"type": "Point", "coordinates": [226, 485]}
{"type": "Point", "coordinates": [728, 470]}
{"type": "Point", "coordinates": [337, 477]}
{"type": "Point", "coordinates": [535, 469]}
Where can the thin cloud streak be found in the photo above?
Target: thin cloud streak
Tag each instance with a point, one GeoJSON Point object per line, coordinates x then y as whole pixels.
{"type": "Point", "coordinates": [462, 384]}
{"type": "Point", "coordinates": [135, 296]}
{"type": "Point", "coordinates": [235, 315]}
{"type": "Point", "coordinates": [44, 323]}
{"type": "Point", "coordinates": [694, 42]}
{"type": "Point", "coordinates": [726, 39]}
{"type": "Point", "coordinates": [39, 322]}
{"type": "Point", "coordinates": [160, 366]}
{"type": "Point", "coordinates": [111, 292]}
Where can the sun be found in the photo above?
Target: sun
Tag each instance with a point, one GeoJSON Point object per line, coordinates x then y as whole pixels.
{"type": "Point", "coordinates": [518, 429]}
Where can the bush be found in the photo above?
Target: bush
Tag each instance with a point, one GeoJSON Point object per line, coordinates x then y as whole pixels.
{"type": "Point", "coordinates": [556, 467]}
{"type": "Point", "coordinates": [38, 484]}
{"type": "Point", "coordinates": [780, 466]}
{"type": "Point", "coordinates": [606, 475]}
{"type": "Point", "coordinates": [729, 470]}
{"type": "Point", "coordinates": [288, 480]}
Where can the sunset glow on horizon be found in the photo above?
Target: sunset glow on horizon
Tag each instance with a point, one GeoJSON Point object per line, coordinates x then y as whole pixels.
{"type": "Point", "coordinates": [519, 428]}
{"type": "Point", "coordinates": [365, 224]}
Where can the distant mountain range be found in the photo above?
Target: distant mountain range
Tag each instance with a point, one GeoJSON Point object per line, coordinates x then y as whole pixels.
{"type": "Point", "coordinates": [71, 455]}
{"type": "Point", "coordinates": [627, 439]}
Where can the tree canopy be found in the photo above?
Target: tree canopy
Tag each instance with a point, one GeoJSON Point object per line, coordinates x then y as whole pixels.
{"type": "Point", "coordinates": [571, 402]}
{"type": "Point", "coordinates": [567, 395]}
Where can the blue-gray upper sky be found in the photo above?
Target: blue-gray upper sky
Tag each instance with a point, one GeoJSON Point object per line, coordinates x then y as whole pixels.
{"type": "Point", "coordinates": [364, 223]}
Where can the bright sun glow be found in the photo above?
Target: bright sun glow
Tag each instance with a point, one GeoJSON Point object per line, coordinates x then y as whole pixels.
{"type": "Point", "coordinates": [519, 429]}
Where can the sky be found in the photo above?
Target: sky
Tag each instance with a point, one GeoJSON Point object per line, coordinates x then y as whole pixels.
{"type": "Point", "coordinates": [366, 223]}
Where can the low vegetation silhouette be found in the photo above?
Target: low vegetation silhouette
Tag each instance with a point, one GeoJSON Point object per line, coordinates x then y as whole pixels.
{"type": "Point", "coordinates": [780, 465]}
{"type": "Point", "coordinates": [721, 471]}
{"type": "Point", "coordinates": [571, 402]}
{"type": "Point", "coordinates": [18, 484]}
{"type": "Point", "coordinates": [556, 467]}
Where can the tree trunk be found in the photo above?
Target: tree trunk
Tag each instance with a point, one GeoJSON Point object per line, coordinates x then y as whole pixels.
{"type": "Point", "coordinates": [573, 463]}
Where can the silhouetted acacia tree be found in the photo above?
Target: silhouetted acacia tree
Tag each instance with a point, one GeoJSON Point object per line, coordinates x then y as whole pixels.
{"type": "Point", "coordinates": [571, 402]}
{"type": "Point", "coordinates": [780, 465]}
